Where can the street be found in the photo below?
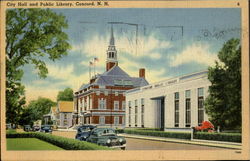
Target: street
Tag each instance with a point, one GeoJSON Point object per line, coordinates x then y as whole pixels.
{"type": "Point", "coordinates": [140, 144]}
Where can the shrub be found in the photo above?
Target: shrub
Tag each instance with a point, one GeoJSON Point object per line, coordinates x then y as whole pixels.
{"type": "Point", "coordinates": [230, 137]}
{"type": "Point", "coordinates": [65, 143]}
{"type": "Point", "coordinates": [119, 131]}
{"type": "Point", "coordinates": [179, 135]}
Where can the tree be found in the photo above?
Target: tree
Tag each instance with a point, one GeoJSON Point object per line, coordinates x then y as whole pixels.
{"type": "Point", "coordinates": [35, 110]}
{"type": "Point", "coordinates": [32, 36]}
{"type": "Point", "coordinates": [65, 95]}
{"type": "Point", "coordinates": [223, 104]}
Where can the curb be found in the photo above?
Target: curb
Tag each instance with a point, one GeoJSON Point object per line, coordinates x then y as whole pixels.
{"type": "Point", "coordinates": [194, 141]}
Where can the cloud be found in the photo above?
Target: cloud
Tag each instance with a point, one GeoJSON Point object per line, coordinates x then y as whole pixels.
{"type": "Point", "coordinates": [194, 53]}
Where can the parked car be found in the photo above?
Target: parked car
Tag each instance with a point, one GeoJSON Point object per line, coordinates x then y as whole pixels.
{"type": "Point", "coordinates": [206, 126]}
{"type": "Point", "coordinates": [27, 128]}
{"type": "Point", "coordinates": [46, 129]}
{"type": "Point", "coordinates": [36, 128]}
{"type": "Point", "coordinates": [107, 137]}
{"type": "Point", "coordinates": [83, 132]}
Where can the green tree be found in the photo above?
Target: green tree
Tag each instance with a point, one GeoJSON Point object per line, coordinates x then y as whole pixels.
{"type": "Point", "coordinates": [40, 107]}
{"type": "Point", "coordinates": [32, 36]}
{"type": "Point", "coordinates": [65, 95]}
{"type": "Point", "coordinates": [223, 105]}
{"type": "Point", "coordinates": [35, 110]}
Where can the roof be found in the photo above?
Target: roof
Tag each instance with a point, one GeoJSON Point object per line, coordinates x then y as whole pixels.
{"type": "Point", "coordinates": [66, 106]}
{"type": "Point", "coordinates": [116, 77]}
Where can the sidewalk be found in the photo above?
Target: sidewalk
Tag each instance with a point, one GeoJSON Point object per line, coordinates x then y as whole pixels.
{"type": "Point", "coordinates": [229, 145]}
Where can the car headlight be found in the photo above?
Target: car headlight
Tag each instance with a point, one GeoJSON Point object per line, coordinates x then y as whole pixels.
{"type": "Point", "coordinates": [120, 140]}
{"type": "Point", "coordinates": [108, 141]}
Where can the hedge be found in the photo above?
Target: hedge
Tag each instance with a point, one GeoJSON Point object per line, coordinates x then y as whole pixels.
{"type": "Point", "coordinates": [230, 137]}
{"type": "Point", "coordinates": [179, 135]}
{"type": "Point", "coordinates": [65, 143]}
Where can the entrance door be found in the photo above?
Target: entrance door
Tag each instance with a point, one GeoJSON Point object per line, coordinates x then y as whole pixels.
{"type": "Point", "coordinates": [160, 111]}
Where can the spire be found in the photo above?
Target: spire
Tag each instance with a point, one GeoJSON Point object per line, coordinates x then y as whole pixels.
{"type": "Point", "coordinates": [111, 52]}
{"type": "Point", "coordinates": [112, 39]}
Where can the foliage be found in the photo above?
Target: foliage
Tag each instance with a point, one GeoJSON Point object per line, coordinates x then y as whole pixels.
{"type": "Point", "coordinates": [230, 137]}
{"type": "Point", "coordinates": [32, 36]}
{"type": "Point", "coordinates": [65, 95]}
{"type": "Point", "coordinates": [29, 144]}
{"type": "Point", "coordinates": [179, 135]}
{"type": "Point", "coordinates": [35, 110]}
{"type": "Point", "coordinates": [65, 143]}
{"type": "Point", "coordinates": [223, 104]}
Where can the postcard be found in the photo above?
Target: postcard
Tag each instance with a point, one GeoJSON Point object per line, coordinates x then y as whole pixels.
{"type": "Point", "coordinates": [124, 80]}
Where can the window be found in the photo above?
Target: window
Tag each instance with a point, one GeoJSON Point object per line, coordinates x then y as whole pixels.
{"type": "Point", "coordinates": [200, 105]}
{"type": "Point", "coordinates": [65, 122]}
{"type": "Point", "coordinates": [123, 120]}
{"type": "Point", "coordinates": [142, 101]}
{"type": "Point", "coordinates": [129, 113]}
{"type": "Point", "coordinates": [106, 93]}
{"type": "Point", "coordinates": [98, 93]}
{"type": "Point", "coordinates": [102, 103]}
{"type": "Point", "coordinates": [102, 120]}
{"type": "Point", "coordinates": [188, 108]}
{"type": "Point", "coordinates": [116, 93]}
{"type": "Point", "coordinates": [142, 112]}
{"type": "Point", "coordinates": [123, 105]}
{"type": "Point", "coordinates": [116, 105]}
{"type": "Point", "coordinates": [116, 120]}
{"type": "Point", "coordinates": [136, 113]}
{"type": "Point", "coordinates": [176, 107]}
{"type": "Point", "coordinates": [65, 116]}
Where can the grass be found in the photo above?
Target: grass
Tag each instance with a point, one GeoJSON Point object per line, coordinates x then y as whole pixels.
{"type": "Point", "coordinates": [29, 144]}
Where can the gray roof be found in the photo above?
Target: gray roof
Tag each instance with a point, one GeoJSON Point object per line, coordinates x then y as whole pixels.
{"type": "Point", "coordinates": [117, 77]}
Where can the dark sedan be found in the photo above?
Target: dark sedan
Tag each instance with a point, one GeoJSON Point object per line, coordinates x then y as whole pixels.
{"type": "Point", "coordinates": [46, 129]}
{"type": "Point", "coordinates": [107, 137]}
{"type": "Point", "coordinates": [83, 132]}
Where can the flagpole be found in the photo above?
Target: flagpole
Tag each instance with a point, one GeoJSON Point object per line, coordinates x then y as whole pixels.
{"type": "Point", "coordinates": [89, 70]}
{"type": "Point", "coordinates": [94, 66]}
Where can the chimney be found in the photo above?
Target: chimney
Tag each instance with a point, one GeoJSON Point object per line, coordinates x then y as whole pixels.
{"type": "Point", "coordinates": [142, 73]}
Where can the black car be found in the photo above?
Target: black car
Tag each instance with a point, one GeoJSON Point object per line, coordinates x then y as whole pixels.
{"type": "Point", "coordinates": [83, 132]}
{"type": "Point", "coordinates": [107, 137]}
{"type": "Point", "coordinates": [27, 128]}
{"type": "Point", "coordinates": [46, 129]}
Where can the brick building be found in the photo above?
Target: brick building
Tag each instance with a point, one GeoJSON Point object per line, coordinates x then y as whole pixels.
{"type": "Point", "coordinates": [102, 101]}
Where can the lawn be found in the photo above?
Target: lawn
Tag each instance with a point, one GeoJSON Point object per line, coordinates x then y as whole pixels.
{"type": "Point", "coordinates": [29, 144]}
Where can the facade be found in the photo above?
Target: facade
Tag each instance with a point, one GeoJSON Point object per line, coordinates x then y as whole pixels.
{"type": "Point", "coordinates": [64, 114]}
{"type": "Point", "coordinates": [102, 101]}
{"type": "Point", "coordinates": [51, 116]}
{"type": "Point", "coordinates": [173, 104]}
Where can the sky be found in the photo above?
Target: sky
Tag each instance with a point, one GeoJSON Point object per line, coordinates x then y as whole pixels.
{"type": "Point", "coordinates": [166, 42]}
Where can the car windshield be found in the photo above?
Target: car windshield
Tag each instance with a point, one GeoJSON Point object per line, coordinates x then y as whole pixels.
{"type": "Point", "coordinates": [107, 132]}
{"type": "Point", "coordinates": [83, 129]}
{"type": "Point", "coordinates": [46, 127]}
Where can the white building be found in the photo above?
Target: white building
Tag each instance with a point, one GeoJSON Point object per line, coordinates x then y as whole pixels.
{"type": "Point", "coordinates": [171, 104]}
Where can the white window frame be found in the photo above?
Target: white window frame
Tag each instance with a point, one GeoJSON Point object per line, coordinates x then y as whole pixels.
{"type": "Point", "coordinates": [102, 120]}
{"type": "Point", "coordinates": [116, 120]}
{"type": "Point", "coordinates": [116, 105]}
{"type": "Point", "coordinates": [101, 103]}
{"type": "Point", "coordinates": [116, 93]}
{"type": "Point", "coordinates": [106, 93]}
{"type": "Point", "coordinates": [123, 105]}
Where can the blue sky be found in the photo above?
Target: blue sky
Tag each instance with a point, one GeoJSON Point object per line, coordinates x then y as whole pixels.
{"type": "Point", "coordinates": [170, 42]}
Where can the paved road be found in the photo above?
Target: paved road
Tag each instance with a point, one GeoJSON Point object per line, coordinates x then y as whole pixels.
{"type": "Point", "coordinates": [140, 144]}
